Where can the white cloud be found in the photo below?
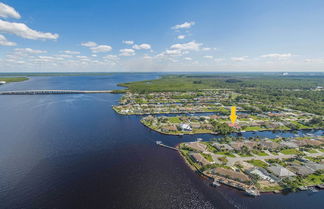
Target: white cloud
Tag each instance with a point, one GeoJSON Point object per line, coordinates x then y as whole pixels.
{"type": "Point", "coordinates": [277, 56]}
{"type": "Point", "coordinates": [7, 11]}
{"type": "Point", "coordinates": [239, 59]}
{"type": "Point", "coordinates": [206, 49]}
{"type": "Point", "coordinates": [111, 57]}
{"type": "Point", "coordinates": [89, 44]}
{"type": "Point", "coordinates": [5, 42]}
{"type": "Point", "coordinates": [188, 58]}
{"type": "Point", "coordinates": [65, 55]}
{"type": "Point", "coordinates": [71, 52]}
{"type": "Point", "coordinates": [95, 48]}
{"type": "Point", "coordinates": [172, 52]}
{"type": "Point", "coordinates": [142, 46]}
{"type": "Point", "coordinates": [181, 36]}
{"type": "Point", "coordinates": [185, 25]}
{"type": "Point", "coordinates": [190, 46]}
{"type": "Point", "coordinates": [29, 51]}
{"type": "Point", "coordinates": [128, 42]}
{"type": "Point", "coordinates": [24, 31]}
{"type": "Point", "coordinates": [127, 52]}
{"type": "Point", "coordinates": [101, 48]}
{"type": "Point", "coordinates": [208, 57]}
{"type": "Point", "coordinates": [147, 56]}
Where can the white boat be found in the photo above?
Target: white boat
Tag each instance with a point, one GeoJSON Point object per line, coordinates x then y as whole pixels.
{"type": "Point", "coordinates": [158, 142]}
{"type": "Point", "coordinates": [313, 189]}
{"type": "Point", "coordinates": [252, 192]}
{"type": "Point", "coordinates": [216, 183]}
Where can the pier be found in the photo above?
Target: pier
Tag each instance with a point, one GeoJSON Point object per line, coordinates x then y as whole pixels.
{"type": "Point", "coordinates": [35, 92]}
{"type": "Point", "coordinates": [166, 146]}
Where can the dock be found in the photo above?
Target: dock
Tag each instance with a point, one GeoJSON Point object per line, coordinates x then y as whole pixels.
{"type": "Point", "coordinates": [159, 143]}
{"type": "Point", "coordinates": [42, 92]}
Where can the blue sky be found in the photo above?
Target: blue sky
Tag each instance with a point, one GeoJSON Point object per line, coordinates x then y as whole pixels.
{"type": "Point", "coordinates": [161, 35]}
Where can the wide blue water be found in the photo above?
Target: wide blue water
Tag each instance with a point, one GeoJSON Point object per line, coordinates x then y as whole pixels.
{"type": "Point", "coordinates": [74, 151]}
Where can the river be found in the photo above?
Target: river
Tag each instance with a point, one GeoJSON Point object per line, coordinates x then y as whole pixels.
{"type": "Point", "coordinates": [74, 151]}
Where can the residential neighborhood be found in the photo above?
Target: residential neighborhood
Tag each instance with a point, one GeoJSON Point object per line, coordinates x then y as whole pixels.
{"type": "Point", "coordinates": [259, 165]}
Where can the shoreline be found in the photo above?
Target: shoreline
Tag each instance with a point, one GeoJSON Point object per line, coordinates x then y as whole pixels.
{"type": "Point", "coordinates": [238, 132]}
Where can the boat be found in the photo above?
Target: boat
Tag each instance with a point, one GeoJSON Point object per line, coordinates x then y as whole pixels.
{"type": "Point", "coordinates": [252, 192]}
{"type": "Point", "coordinates": [158, 142]}
{"type": "Point", "coordinates": [313, 189]}
{"type": "Point", "coordinates": [302, 188]}
{"type": "Point", "coordinates": [216, 183]}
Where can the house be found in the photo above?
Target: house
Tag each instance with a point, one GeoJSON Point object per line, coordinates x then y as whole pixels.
{"type": "Point", "coordinates": [280, 171]}
{"type": "Point", "coordinates": [250, 144]}
{"type": "Point", "coordinates": [269, 145]}
{"type": "Point", "coordinates": [195, 125]}
{"type": "Point", "coordinates": [262, 174]}
{"type": "Point", "coordinates": [197, 146]}
{"type": "Point", "coordinates": [301, 170]}
{"type": "Point", "coordinates": [237, 145]}
{"type": "Point", "coordinates": [289, 144]}
{"type": "Point", "coordinates": [185, 127]}
{"type": "Point", "coordinates": [169, 128]}
{"type": "Point", "coordinates": [198, 158]}
{"type": "Point", "coordinates": [314, 166]}
{"type": "Point", "coordinates": [229, 173]}
{"type": "Point", "coordinates": [313, 142]}
{"type": "Point", "coordinates": [222, 147]}
{"type": "Point", "coordinates": [207, 126]}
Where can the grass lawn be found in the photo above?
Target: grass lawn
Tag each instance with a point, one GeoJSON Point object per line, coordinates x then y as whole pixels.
{"type": "Point", "coordinates": [207, 157]}
{"type": "Point", "coordinates": [313, 179]}
{"type": "Point", "coordinates": [271, 188]}
{"type": "Point", "coordinates": [274, 153]}
{"type": "Point", "coordinates": [258, 163]}
{"type": "Point", "coordinates": [174, 120]}
{"type": "Point", "coordinates": [225, 153]}
{"type": "Point", "coordinates": [253, 128]}
{"type": "Point", "coordinates": [311, 151]}
{"type": "Point", "coordinates": [245, 155]}
{"type": "Point", "coordinates": [260, 153]}
{"type": "Point", "coordinates": [290, 151]}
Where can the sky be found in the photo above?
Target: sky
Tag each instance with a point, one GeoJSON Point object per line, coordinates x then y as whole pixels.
{"type": "Point", "coordinates": [161, 35]}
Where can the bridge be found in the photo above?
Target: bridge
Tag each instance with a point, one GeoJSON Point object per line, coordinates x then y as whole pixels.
{"type": "Point", "coordinates": [34, 92]}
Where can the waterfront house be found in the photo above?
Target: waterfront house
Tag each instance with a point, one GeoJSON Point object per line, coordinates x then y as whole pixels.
{"type": "Point", "coordinates": [237, 145]}
{"type": "Point", "coordinates": [197, 146]}
{"type": "Point", "coordinates": [314, 166]}
{"type": "Point", "coordinates": [222, 147]}
{"type": "Point", "coordinates": [301, 170]}
{"type": "Point", "coordinates": [229, 173]}
{"type": "Point", "coordinates": [280, 171]}
{"type": "Point", "coordinates": [269, 145]}
{"type": "Point", "coordinates": [185, 127]}
{"type": "Point", "coordinates": [170, 128]}
{"type": "Point", "coordinates": [262, 174]}
{"type": "Point", "coordinates": [198, 158]}
{"type": "Point", "coordinates": [288, 144]}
